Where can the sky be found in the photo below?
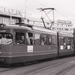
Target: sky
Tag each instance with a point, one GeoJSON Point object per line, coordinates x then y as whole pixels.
{"type": "Point", "coordinates": [64, 9]}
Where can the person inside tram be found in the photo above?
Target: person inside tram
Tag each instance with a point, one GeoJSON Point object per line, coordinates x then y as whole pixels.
{"type": "Point", "coordinates": [22, 41]}
{"type": "Point", "coordinates": [50, 41]}
{"type": "Point", "coordinates": [31, 38]}
{"type": "Point", "coordinates": [5, 40]}
{"type": "Point", "coordinates": [42, 42]}
{"type": "Point", "coordinates": [65, 44]}
{"type": "Point", "coordinates": [9, 39]}
{"type": "Point", "coordinates": [45, 40]}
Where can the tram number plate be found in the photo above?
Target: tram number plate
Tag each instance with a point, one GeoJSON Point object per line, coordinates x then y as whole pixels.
{"type": "Point", "coordinates": [29, 48]}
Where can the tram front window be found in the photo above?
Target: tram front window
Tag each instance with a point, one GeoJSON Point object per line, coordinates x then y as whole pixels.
{"type": "Point", "coordinates": [20, 38]}
{"type": "Point", "coordinates": [5, 38]}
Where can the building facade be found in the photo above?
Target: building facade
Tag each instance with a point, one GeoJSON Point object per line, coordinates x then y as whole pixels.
{"type": "Point", "coordinates": [60, 25]}
{"type": "Point", "coordinates": [9, 16]}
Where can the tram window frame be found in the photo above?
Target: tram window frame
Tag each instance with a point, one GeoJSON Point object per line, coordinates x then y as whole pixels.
{"type": "Point", "coordinates": [29, 38]}
{"type": "Point", "coordinates": [21, 39]}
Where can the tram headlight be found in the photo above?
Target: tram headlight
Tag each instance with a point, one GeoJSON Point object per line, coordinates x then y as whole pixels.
{"type": "Point", "coordinates": [2, 25]}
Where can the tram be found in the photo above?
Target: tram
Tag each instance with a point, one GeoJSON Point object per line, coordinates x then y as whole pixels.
{"type": "Point", "coordinates": [23, 44]}
{"type": "Point", "coordinates": [20, 43]}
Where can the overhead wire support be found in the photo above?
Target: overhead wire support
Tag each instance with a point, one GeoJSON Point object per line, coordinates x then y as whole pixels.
{"type": "Point", "coordinates": [52, 22]}
{"type": "Point", "coordinates": [46, 9]}
{"type": "Point", "coordinates": [43, 22]}
{"type": "Point", "coordinates": [47, 16]}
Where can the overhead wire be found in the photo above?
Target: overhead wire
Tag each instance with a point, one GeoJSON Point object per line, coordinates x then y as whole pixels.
{"type": "Point", "coordinates": [39, 3]}
{"type": "Point", "coordinates": [61, 14]}
{"type": "Point", "coordinates": [49, 11]}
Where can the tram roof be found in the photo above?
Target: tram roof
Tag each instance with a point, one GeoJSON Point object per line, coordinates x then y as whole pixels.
{"type": "Point", "coordinates": [66, 33]}
{"type": "Point", "coordinates": [33, 29]}
{"type": "Point", "coordinates": [43, 30]}
{"type": "Point", "coordinates": [17, 27]}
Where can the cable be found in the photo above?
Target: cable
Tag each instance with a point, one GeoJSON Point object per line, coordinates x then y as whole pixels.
{"type": "Point", "coordinates": [62, 14]}
{"type": "Point", "coordinates": [39, 3]}
{"type": "Point", "coordinates": [47, 6]}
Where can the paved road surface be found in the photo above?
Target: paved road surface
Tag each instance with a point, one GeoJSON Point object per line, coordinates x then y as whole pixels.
{"type": "Point", "coordinates": [65, 66]}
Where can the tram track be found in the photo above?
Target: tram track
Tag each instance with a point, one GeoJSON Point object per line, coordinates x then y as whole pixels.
{"type": "Point", "coordinates": [54, 67]}
{"type": "Point", "coordinates": [3, 70]}
{"type": "Point", "coordinates": [43, 68]}
{"type": "Point", "coordinates": [51, 68]}
{"type": "Point", "coordinates": [8, 69]}
{"type": "Point", "coordinates": [66, 70]}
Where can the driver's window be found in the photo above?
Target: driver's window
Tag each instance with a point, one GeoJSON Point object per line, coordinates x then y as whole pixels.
{"type": "Point", "coordinates": [20, 38]}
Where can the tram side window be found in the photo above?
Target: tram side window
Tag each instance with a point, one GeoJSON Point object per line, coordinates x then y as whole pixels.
{"type": "Point", "coordinates": [51, 40]}
{"type": "Point", "coordinates": [43, 40]}
{"type": "Point", "coordinates": [20, 38]}
{"type": "Point", "coordinates": [37, 39]}
{"type": "Point", "coordinates": [6, 38]}
{"type": "Point", "coordinates": [68, 41]}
